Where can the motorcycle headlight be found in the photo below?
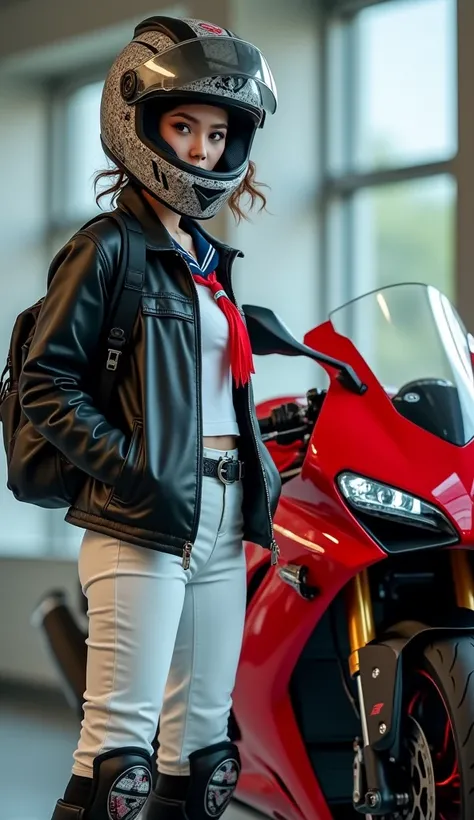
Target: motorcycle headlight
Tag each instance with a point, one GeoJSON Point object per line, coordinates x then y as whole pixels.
{"type": "Point", "coordinates": [374, 498]}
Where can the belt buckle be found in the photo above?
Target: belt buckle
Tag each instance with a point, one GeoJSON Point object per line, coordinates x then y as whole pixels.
{"type": "Point", "coordinates": [221, 465]}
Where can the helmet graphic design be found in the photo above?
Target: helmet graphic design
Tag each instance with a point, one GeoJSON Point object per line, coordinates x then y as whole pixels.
{"type": "Point", "coordinates": [194, 61]}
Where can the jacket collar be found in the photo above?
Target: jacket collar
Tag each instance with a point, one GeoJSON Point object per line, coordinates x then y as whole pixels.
{"type": "Point", "coordinates": [156, 236]}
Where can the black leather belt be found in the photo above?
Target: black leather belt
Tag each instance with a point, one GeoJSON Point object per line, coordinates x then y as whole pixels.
{"type": "Point", "coordinates": [227, 470]}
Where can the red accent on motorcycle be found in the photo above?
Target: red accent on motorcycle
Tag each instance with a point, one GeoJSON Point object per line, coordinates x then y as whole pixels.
{"type": "Point", "coordinates": [377, 708]}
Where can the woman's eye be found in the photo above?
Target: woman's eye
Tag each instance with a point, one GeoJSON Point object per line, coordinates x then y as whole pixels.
{"type": "Point", "coordinates": [217, 136]}
{"type": "Point", "coordinates": [182, 127]}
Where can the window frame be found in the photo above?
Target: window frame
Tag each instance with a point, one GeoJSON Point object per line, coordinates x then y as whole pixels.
{"type": "Point", "coordinates": [342, 187]}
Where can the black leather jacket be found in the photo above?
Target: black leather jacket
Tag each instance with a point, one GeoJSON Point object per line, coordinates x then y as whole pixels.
{"type": "Point", "coordinates": [144, 461]}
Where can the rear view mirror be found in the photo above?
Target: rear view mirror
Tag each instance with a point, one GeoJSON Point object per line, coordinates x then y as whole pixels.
{"type": "Point", "coordinates": [269, 335]}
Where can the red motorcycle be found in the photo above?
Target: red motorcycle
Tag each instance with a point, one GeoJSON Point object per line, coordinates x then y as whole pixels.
{"type": "Point", "coordinates": [355, 691]}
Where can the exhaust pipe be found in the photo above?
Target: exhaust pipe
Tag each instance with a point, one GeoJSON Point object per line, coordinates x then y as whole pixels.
{"type": "Point", "coordinates": [66, 642]}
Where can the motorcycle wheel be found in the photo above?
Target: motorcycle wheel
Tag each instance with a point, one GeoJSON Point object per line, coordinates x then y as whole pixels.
{"type": "Point", "coordinates": [440, 732]}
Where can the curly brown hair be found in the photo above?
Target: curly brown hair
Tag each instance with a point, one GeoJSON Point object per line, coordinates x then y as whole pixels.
{"type": "Point", "coordinates": [249, 187]}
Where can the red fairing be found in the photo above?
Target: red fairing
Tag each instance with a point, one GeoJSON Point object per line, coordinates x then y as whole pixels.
{"type": "Point", "coordinates": [366, 434]}
{"type": "Point", "coordinates": [313, 526]}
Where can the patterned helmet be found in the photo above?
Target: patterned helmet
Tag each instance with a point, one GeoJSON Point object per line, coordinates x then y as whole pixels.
{"type": "Point", "coordinates": [169, 60]}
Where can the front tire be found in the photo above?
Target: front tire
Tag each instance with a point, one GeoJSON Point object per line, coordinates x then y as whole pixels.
{"type": "Point", "coordinates": [441, 701]}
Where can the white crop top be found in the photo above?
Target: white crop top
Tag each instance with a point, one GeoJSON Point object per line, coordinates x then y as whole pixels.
{"type": "Point", "coordinates": [218, 413]}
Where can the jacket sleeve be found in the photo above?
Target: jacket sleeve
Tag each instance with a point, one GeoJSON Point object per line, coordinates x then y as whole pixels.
{"type": "Point", "coordinates": [52, 385]}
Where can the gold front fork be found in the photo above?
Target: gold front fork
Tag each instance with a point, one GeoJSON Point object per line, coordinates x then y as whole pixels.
{"type": "Point", "coordinates": [360, 617]}
{"type": "Point", "coordinates": [463, 578]}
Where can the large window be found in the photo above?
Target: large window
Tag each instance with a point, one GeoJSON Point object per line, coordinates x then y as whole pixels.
{"type": "Point", "coordinates": [76, 157]}
{"type": "Point", "coordinates": [390, 139]}
{"type": "Point", "coordinates": [52, 140]}
{"type": "Point", "coordinates": [83, 153]}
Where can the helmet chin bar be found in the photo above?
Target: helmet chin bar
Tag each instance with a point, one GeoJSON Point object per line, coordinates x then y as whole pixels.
{"type": "Point", "coordinates": [185, 193]}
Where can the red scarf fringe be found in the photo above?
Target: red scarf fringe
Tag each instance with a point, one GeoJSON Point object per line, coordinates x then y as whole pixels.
{"type": "Point", "coordinates": [241, 358]}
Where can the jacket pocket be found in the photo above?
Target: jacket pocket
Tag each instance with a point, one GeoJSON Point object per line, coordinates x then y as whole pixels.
{"type": "Point", "coordinates": [170, 305]}
{"type": "Point", "coordinates": [124, 489]}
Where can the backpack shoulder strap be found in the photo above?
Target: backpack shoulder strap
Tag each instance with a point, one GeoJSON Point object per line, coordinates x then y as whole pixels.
{"type": "Point", "coordinates": [125, 299]}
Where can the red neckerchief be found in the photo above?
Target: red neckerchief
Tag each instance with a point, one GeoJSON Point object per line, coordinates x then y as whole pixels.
{"type": "Point", "coordinates": [241, 360]}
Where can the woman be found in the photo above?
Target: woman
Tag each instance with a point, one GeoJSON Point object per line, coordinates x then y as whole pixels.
{"type": "Point", "coordinates": [177, 476]}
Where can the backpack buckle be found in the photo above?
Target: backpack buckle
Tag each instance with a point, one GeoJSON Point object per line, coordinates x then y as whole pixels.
{"type": "Point", "coordinates": [112, 359]}
{"type": "Point", "coordinates": [117, 338]}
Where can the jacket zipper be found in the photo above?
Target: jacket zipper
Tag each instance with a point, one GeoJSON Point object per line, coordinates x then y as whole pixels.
{"type": "Point", "coordinates": [187, 550]}
{"type": "Point", "coordinates": [274, 548]}
{"type": "Point", "coordinates": [188, 545]}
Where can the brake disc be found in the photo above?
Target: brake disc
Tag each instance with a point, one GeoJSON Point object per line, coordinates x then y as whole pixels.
{"type": "Point", "coordinates": [420, 765]}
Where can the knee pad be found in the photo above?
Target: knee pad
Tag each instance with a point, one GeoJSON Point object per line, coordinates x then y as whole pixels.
{"type": "Point", "coordinates": [121, 784]}
{"type": "Point", "coordinates": [214, 772]}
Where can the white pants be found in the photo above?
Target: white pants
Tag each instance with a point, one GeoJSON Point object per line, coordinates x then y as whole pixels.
{"type": "Point", "coordinates": [164, 642]}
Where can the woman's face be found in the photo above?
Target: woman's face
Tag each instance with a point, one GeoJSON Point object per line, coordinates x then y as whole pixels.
{"type": "Point", "coordinates": [197, 133]}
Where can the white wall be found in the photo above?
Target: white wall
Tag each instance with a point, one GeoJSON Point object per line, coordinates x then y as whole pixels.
{"type": "Point", "coordinates": [31, 26]}
{"type": "Point", "coordinates": [38, 38]}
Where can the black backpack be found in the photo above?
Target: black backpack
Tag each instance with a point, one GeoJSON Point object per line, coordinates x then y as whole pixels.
{"type": "Point", "coordinates": [38, 473]}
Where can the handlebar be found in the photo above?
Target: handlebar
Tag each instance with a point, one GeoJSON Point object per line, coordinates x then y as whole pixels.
{"type": "Point", "coordinates": [290, 422]}
{"type": "Point", "coordinates": [266, 425]}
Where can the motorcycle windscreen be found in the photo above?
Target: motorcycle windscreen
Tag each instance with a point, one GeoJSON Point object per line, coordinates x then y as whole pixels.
{"type": "Point", "coordinates": [416, 345]}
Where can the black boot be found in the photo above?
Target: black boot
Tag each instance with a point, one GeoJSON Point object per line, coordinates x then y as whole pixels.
{"type": "Point", "coordinates": [161, 808]}
{"type": "Point", "coordinates": [76, 798]}
{"type": "Point", "coordinates": [64, 811]}
{"type": "Point", "coordinates": [205, 793]}
{"type": "Point", "coordinates": [120, 787]}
